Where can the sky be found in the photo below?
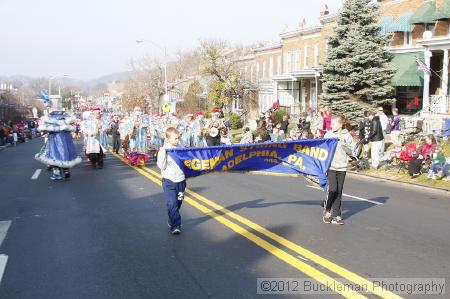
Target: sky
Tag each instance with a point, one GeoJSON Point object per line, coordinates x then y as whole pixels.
{"type": "Point", "coordinates": [87, 39]}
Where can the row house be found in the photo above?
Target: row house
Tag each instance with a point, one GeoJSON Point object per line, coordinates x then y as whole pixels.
{"type": "Point", "coordinates": [268, 64]}
{"type": "Point", "coordinates": [290, 71]}
{"type": "Point", "coordinates": [420, 32]}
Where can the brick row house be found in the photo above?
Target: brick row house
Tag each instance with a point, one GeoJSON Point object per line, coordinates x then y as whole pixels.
{"type": "Point", "coordinates": [290, 70]}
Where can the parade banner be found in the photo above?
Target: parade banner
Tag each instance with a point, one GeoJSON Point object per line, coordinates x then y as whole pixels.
{"type": "Point", "coordinates": [310, 158]}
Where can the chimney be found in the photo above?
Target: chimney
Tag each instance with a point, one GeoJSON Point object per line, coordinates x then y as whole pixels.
{"type": "Point", "coordinates": [324, 11]}
{"type": "Point", "coordinates": [302, 23]}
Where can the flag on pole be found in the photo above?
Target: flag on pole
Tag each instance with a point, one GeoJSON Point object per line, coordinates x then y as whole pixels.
{"type": "Point", "coordinates": [422, 67]}
{"type": "Point", "coordinates": [276, 105]}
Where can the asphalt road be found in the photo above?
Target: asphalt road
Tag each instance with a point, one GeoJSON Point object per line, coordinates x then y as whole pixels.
{"type": "Point", "coordinates": [103, 233]}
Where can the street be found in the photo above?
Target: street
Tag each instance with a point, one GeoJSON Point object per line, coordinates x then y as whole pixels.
{"type": "Point", "coordinates": [103, 233]}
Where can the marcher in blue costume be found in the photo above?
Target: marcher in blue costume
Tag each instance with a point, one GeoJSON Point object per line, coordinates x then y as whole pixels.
{"type": "Point", "coordinates": [59, 151]}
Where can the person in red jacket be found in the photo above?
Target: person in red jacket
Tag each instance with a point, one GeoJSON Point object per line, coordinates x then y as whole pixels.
{"type": "Point", "coordinates": [327, 116]}
{"type": "Point", "coordinates": [424, 153]}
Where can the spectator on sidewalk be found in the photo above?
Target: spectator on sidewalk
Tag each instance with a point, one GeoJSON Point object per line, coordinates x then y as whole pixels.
{"type": "Point", "coordinates": [394, 125]}
{"type": "Point", "coordinates": [424, 154]}
{"type": "Point", "coordinates": [285, 124]}
{"type": "Point", "coordinates": [1, 135]}
{"type": "Point", "coordinates": [304, 126]}
{"type": "Point", "coordinates": [376, 138]}
{"type": "Point", "coordinates": [384, 120]}
{"type": "Point", "coordinates": [363, 133]}
{"type": "Point", "coordinates": [437, 164]}
{"type": "Point", "coordinates": [317, 125]}
{"type": "Point", "coordinates": [15, 138]}
{"type": "Point", "coordinates": [247, 137]}
{"type": "Point", "coordinates": [327, 116]}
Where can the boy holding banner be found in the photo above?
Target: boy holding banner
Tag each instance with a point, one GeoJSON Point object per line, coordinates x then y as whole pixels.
{"type": "Point", "coordinates": [173, 182]}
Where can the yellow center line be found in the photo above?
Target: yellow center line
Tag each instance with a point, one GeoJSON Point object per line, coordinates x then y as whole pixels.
{"type": "Point", "coordinates": [341, 271]}
{"type": "Point", "coordinates": [347, 274]}
{"type": "Point", "coordinates": [310, 271]}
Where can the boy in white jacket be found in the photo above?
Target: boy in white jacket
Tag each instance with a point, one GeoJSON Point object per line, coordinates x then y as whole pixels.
{"type": "Point", "coordinates": [173, 182]}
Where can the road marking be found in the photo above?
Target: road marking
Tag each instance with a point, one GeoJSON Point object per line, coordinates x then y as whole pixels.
{"type": "Point", "coordinates": [347, 274]}
{"type": "Point", "coordinates": [36, 174]}
{"type": "Point", "coordinates": [281, 254]}
{"type": "Point", "coordinates": [4, 227]}
{"type": "Point", "coordinates": [155, 177]}
{"type": "Point", "coordinates": [351, 196]}
{"type": "Point", "coordinates": [3, 261]}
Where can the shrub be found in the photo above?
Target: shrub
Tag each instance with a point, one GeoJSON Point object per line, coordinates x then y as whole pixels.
{"type": "Point", "coordinates": [277, 116]}
{"type": "Point", "coordinates": [235, 121]}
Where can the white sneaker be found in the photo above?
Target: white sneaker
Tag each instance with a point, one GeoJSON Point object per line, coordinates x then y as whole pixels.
{"type": "Point", "coordinates": [326, 217]}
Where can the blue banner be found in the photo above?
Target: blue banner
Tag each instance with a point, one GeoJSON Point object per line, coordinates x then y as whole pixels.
{"type": "Point", "coordinates": [310, 158]}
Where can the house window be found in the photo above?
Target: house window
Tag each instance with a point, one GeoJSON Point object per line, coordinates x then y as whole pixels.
{"type": "Point", "coordinates": [257, 71]}
{"type": "Point", "coordinates": [429, 27]}
{"type": "Point", "coordinates": [306, 57]}
{"type": "Point", "coordinates": [271, 66]}
{"type": "Point", "coordinates": [264, 70]}
{"type": "Point", "coordinates": [293, 66]}
{"type": "Point", "coordinates": [285, 62]}
{"type": "Point", "coordinates": [279, 65]}
{"type": "Point", "coordinates": [288, 62]}
{"type": "Point", "coordinates": [407, 38]}
{"type": "Point", "coordinates": [297, 61]}
{"type": "Point", "coordinates": [316, 55]}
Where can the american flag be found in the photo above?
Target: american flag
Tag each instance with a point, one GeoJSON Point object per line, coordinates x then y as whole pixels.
{"type": "Point", "coordinates": [422, 67]}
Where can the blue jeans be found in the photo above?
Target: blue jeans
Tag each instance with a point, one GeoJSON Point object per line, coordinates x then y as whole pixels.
{"type": "Point", "coordinates": [438, 167]}
{"type": "Point", "coordinates": [174, 193]}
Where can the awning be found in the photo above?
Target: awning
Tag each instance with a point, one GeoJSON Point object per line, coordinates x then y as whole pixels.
{"type": "Point", "coordinates": [402, 24]}
{"type": "Point", "coordinates": [424, 14]}
{"type": "Point", "coordinates": [407, 73]}
{"type": "Point", "coordinates": [386, 24]}
{"type": "Point", "coordinates": [443, 12]}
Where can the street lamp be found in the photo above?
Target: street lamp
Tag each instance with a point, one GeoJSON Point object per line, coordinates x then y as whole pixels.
{"type": "Point", "coordinates": [164, 50]}
{"type": "Point", "coordinates": [50, 81]}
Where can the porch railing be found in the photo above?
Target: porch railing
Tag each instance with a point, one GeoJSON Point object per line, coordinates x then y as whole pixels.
{"type": "Point", "coordinates": [433, 117]}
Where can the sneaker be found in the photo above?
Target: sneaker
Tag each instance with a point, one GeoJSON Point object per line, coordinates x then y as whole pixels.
{"type": "Point", "coordinates": [168, 224]}
{"type": "Point", "coordinates": [447, 178]}
{"type": "Point", "coordinates": [327, 218]}
{"type": "Point", "coordinates": [430, 175]}
{"type": "Point", "coordinates": [176, 231]}
{"type": "Point", "coordinates": [337, 220]}
{"type": "Point", "coordinates": [415, 175]}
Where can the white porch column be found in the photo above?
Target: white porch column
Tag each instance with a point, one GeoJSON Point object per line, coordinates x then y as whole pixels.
{"type": "Point", "coordinates": [426, 83]}
{"type": "Point", "coordinates": [275, 91]}
{"type": "Point", "coordinates": [444, 83]}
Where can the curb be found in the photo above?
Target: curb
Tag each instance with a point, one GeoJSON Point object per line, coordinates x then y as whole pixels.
{"type": "Point", "coordinates": [398, 181]}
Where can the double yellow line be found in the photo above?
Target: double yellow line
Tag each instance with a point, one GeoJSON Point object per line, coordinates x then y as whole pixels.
{"type": "Point", "coordinates": [290, 259]}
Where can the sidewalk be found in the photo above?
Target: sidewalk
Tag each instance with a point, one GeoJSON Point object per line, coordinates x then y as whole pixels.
{"type": "Point", "coordinates": [394, 176]}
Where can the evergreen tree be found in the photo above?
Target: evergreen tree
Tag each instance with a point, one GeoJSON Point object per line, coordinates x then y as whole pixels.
{"type": "Point", "coordinates": [357, 72]}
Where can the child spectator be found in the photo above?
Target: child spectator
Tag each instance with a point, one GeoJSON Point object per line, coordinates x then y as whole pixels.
{"type": "Point", "coordinates": [224, 137]}
{"type": "Point", "coordinates": [15, 137]}
{"type": "Point", "coordinates": [437, 164]}
{"type": "Point", "coordinates": [247, 137]}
